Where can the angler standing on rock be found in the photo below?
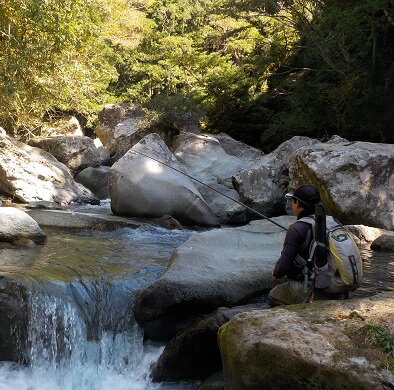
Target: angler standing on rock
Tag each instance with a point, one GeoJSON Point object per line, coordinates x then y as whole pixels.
{"type": "Point", "coordinates": [319, 258]}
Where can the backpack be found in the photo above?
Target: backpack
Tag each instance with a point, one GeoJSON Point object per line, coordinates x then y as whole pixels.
{"type": "Point", "coordinates": [343, 258]}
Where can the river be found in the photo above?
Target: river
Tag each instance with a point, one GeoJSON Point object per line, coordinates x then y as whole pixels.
{"type": "Point", "coordinates": [79, 290]}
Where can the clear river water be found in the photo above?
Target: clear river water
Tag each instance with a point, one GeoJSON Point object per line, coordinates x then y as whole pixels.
{"type": "Point", "coordinates": [81, 333]}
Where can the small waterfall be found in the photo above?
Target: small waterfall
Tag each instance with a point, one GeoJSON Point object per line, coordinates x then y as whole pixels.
{"type": "Point", "coordinates": [70, 310]}
{"type": "Point", "coordinates": [62, 350]}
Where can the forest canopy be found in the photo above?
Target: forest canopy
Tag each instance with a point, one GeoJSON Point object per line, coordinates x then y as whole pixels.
{"type": "Point", "coordinates": [261, 71]}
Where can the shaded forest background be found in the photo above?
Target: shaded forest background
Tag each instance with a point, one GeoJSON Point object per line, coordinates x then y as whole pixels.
{"type": "Point", "coordinates": [261, 71]}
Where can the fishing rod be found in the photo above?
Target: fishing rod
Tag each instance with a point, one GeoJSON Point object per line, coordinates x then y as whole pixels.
{"type": "Point", "coordinates": [213, 189]}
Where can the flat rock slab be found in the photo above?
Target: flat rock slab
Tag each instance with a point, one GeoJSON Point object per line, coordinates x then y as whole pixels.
{"type": "Point", "coordinates": [323, 345]}
{"type": "Point", "coordinates": [221, 267]}
{"type": "Point", "coordinates": [81, 221]}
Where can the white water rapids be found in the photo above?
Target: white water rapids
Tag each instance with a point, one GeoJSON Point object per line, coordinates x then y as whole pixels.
{"type": "Point", "coordinates": [80, 333]}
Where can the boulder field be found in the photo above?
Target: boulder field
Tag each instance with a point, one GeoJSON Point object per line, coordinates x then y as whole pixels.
{"type": "Point", "coordinates": [222, 267]}
{"type": "Point", "coordinates": [323, 345]}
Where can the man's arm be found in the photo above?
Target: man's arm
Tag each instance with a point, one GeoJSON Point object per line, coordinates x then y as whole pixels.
{"type": "Point", "coordinates": [293, 242]}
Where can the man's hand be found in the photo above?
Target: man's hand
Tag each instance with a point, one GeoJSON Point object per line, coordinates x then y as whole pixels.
{"type": "Point", "coordinates": [274, 278]}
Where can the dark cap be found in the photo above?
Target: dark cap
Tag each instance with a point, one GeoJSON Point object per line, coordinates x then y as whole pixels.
{"type": "Point", "coordinates": [307, 194]}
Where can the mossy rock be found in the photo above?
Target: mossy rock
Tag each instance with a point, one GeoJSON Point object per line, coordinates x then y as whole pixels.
{"type": "Point", "coordinates": [324, 345]}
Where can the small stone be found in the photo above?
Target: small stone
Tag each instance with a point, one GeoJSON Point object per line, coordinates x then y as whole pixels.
{"type": "Point", "coordinates": [384, 243]}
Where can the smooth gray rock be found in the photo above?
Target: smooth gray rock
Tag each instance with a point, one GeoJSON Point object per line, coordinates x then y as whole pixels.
{"type": "Point", "coordinates": [226, 210]}
{"type": "Point", "coordinates": [205, 159]}
{"type": "Point", "coordinates": [194, 352]}
{"type": "Point", "coordinates": [96, 179]}
{"type": "Point", "coordinates": [263, 186]}
{"type": "Point", "coordinates": [213, 160]}
{"type": "Point", "coordinates": [312, 346]}
{"type": "Point", "coordinates": [76, 152]}
{"type": "Point", "coordinates": [17, 225]}
{"type": "Point", "coordinates": [239, 149]}
{"type": "Point", "coordinates": [29, 174]}
{"type": "Point", "coordinates": [222, 267]}
{"type": "Point", "coordinates": [355, 180]}
{"type": "Point", "coordinates": [141, 187]}
{"type": "Point", "coordinates": [384, 243]}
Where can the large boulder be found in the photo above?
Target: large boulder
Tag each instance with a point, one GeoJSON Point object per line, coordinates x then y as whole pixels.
{"type": "Point", "coordinates": [325, 345]}
{"type": "Point", "coordinates": [263, 185]}
{"type": "Point", "coordinates": [17, 225]}
{"type": "Point", "coordinates": [142, 187]}
{"type": "Point", "coordinates": [355, 180]}
{"type": "Point", "coordinates": [96, 179]}
{"type": "Point", "coordinates": [120, 127]}
{"type": "Point", "coordinates": [194, 352]}
{"type": "Point", "coordinates": [205, 159]}
{"type": "Point", "coordinates": [222, 267]}
{"type": "Point", "coordinates": [214, 160]}
{"type": "Point", "coordinates": [28, 174]}
{"type": "Point", "coordinates": [76, 153]}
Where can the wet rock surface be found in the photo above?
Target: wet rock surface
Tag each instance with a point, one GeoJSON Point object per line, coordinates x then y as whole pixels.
{"type": "Point", "coordinates": [141, 187]}
{"type": "Point", "coordinates": [319, 345]}
{"type": "Point", "coordinates": [355, 180]}
{"type": "Point", "coordinates": [13, 315]}
{"type": "Point", "coordinates": [29, 174]}
{"type": "Point", "coordinates": [217, 268]}
{"type": "Point", "coordinates": [16, 225]}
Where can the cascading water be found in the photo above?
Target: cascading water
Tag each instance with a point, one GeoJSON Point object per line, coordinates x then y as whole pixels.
{"type": "Point", "coordinates": [78, 331]}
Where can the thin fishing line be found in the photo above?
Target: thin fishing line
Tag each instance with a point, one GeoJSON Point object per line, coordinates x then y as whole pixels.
{"type": "Point", "coordinates": [213, 189]}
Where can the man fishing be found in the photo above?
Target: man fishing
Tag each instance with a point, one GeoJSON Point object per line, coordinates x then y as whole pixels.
{"type": "Point", "coordinates": [311, 276]}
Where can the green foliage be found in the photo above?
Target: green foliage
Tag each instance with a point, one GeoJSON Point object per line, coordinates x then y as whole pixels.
{"type": "Point", "coordinates": [54, 53]}
{"type": "Point", "coordinates": [262, 71]}
{"type": "Point", "coordinates": [384, 339]}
